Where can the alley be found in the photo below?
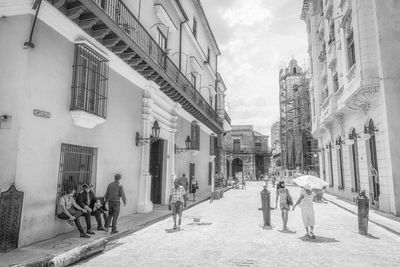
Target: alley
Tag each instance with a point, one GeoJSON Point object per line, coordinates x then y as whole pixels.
{"type": "Point", "coordinates": [230, 233]}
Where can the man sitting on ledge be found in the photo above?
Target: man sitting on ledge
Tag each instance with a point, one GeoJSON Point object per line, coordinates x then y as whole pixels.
{"type": "Point", "coordinates": [86, 199]}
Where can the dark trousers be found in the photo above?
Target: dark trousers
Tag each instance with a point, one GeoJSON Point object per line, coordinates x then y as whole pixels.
{"type": "Point", "coordinates": [113, 213]}
{"type": "Point", "coordinates": [97, 215]}
{"type": "Point", "coordinates": [64, 216]}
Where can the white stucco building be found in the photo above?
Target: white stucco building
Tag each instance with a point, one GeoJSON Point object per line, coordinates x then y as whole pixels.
{"type": "Point", "coordinates": [96, 75]}
{"type": "Point", "coordinates": [353, 48]}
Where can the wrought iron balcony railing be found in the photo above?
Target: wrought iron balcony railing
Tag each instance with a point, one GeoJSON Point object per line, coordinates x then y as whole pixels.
{"type": "Point", "coordinates": [227, 118]}
{"type": "Point", "coordinates": [120, 13]}
{"type": "Point", "coordinates": [115, 26]}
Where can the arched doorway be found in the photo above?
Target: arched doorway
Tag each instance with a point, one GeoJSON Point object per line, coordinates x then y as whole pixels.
{"type": "Point", "coordinates": [237, 166]}
{"type": "Point", "coordinates": [373, 162]}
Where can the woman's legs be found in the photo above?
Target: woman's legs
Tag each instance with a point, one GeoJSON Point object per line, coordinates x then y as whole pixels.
{"type": "Point", "coordinates": [286, 218]}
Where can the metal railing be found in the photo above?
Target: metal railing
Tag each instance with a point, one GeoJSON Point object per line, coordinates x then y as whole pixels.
{"type": "Point", "coordinates": [121, 14]}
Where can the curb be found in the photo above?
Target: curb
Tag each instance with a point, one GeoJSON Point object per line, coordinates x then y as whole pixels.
{"type": "Point", "coordinates": [373, 221]}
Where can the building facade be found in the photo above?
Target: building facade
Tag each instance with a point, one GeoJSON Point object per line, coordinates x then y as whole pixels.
{"type": "Point", "coordinates": [275, 148]}
{"type": "Point", "coordinates": [86, 96]}
{"type": "Point", "coordinates": [298, 147]}
{"type": "Point", "coordinates": [247, 153]}
{"type": "Point", "coordinates": [354, 91]}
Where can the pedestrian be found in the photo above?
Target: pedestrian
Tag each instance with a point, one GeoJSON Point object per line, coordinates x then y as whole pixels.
{"type": "Point", "coordinates": [184, 182]}
{"type": "Point", "coordinates": [177, 200]}
{"type": "Point", "coordinates": [87, 200]}
{"type": "Point", "coordinates": [285, 201]}
{"type": "Point", "coordinates": [305, 202]}
{"type": "Point", "coordinates": [195, 187]}
{"type": "Point", "coordinates": [69, 210]}
{"type": "Point", "coordinates": [114, 192]}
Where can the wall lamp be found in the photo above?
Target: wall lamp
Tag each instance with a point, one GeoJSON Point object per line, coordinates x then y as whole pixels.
{"type": "Point", "coordinates": [155, 134]}
{"type": "Point", "coordinates": [188, 144]}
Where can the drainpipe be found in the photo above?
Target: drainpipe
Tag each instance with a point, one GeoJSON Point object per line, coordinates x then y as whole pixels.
{"type": "Point", "coordinates": [186, 19]}
{"type": "Point", "coordinates": [36, 6]}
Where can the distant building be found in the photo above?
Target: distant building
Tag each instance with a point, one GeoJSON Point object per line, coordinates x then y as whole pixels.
{"type": "Point", "coordinates": [275, 148]}
{"type": "Point", "coordinates": [298, 147]}
{"type": "Point", "coordinates": [355, 76]}
{"type": "Point", "coordinates": [247, 152]}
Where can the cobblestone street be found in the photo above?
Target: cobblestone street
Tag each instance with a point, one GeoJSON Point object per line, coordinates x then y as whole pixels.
{"type": "Point", "coordinates": [230, 233]}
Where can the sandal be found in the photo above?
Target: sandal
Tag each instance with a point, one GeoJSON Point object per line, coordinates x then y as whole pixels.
{"type": "Point", "coordinates": [312, 235]}
{"type": "Point", "coordinates": [174, 227]}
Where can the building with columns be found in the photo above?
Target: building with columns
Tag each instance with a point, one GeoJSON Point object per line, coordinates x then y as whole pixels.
{"type": "Point", "coordinates": [298, 147]}
{"type": "Point", "coordinates": [247, 153]}
{"type": "Point", "coordinates": [354, 77]}
{"type": "Point", "coordinates": [86, 90]}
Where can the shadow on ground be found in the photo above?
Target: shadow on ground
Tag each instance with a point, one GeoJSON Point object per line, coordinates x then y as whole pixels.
{"type": "Point", "coordinates": [371, 236]}
{"type": "Point", "coordinates": [318, 239]}
{"type": "Point", "coordinates": [287, 231]}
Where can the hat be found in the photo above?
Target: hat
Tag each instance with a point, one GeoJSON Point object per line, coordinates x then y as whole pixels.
{"type": "Point", "coordinates": [307, 187]}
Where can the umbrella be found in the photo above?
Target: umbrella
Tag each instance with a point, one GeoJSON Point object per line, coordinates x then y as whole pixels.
{"type": "Point", "coordinates": [313, 181]}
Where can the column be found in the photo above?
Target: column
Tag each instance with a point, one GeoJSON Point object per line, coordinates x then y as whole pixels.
{"type": "Point", "coordinates": [144, 204]}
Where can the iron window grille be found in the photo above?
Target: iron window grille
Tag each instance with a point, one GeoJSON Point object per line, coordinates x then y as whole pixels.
{"type": "Point", "coordinates": [77, 167]}
{"type": "Point", "coordinates": [90, 81]}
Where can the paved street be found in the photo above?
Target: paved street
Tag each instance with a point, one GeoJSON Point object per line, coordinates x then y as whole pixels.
{"type": "Point", "coordinates": [231, 234]}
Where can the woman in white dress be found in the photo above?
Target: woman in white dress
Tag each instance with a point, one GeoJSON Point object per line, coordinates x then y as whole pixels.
{"type": "Point", "coordinates": [305, 202]}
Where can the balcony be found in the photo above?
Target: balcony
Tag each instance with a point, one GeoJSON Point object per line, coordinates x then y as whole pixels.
{"type": "Point", "coordinates": [114, 26]}
{"type": "Point", "coordinates": [227, 118]}
{"type": "Point", "coordinates": [328, 109]}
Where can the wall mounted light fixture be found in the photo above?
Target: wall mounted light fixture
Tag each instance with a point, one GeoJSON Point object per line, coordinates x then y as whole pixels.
{"type": "Point", "coordinates": [155, 134]}
{"type": "Point", "coordinates": [188, 144]}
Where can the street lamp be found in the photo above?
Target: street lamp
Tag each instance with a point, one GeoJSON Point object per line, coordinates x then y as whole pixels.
{"type": "Point", "coordinates": [155, 134]}
{"type": "Point", "coordinates": [187, 147]}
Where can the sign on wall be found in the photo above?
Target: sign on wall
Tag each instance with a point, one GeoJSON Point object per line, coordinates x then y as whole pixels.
{"type": "Point", "coordinates": [41, 113]}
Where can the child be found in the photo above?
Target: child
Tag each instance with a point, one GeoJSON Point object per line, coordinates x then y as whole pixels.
{"type": "Point", "coordinates": [307, 210]}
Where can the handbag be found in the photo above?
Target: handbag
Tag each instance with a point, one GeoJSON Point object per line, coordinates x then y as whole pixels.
{"type": "Point", "coordinates": [289, 198]}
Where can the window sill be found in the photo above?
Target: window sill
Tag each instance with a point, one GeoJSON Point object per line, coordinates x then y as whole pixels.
{"type": "Point", "coordinates": [85, 119]}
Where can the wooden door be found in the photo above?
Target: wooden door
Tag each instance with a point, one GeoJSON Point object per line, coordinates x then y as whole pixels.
{"type": "Point", "coordinates": [155, 169]}
{"type": "Point", "coordinates": [191, 174]}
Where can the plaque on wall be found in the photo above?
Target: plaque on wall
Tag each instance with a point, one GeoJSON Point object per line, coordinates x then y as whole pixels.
{"type": "Point", "coordinates": [10, 218]}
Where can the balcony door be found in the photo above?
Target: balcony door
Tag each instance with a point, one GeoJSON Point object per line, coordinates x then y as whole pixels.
{"type": "Point", "coordinates": [373, 164]}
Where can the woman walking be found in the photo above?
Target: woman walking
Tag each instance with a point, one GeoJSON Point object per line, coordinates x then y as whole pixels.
{"type": "Point", "coordinates": [305, 202]}
{"type": "Point", "coordinates": [285, 201]}
{"type": "Point", "coordinates": [195, 187]}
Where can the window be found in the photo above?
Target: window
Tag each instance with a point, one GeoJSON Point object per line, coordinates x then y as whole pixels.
{"type": "Point", "coordinates": [89, 82]}
{"type": "Point", "coordinates": [351, 55]}
{"type": "Point", "coordinates": [340, 162]}
{"type": "Point", "coordinates": [162, 40]}
{"type": "Point", "coordinates": [323, 164]}
{"type": "Point", "coordinates": [194, 28]}
{"type": "Point", "coordinates": [258, 147]}
{"type": "Point", "coordinates": [193, 80]}
{"type": "Point", "coordinates": [208, 55]}
{"type": "Point", "coordinates": [195, 136]}
{"type": "Point", "coordinates": [354, 163]}
{"type": "Point", "coordinates": [77, 164]}
{"type": "Point", "coordinates": [331, 33]}
{"type": "Point", "coordinates": [236, 146]}
{"type": "Point", "coordinates": [213, 145]}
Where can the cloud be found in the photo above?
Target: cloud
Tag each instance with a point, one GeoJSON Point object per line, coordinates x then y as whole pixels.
{"type": "Point", "coordinates": [256, 38]}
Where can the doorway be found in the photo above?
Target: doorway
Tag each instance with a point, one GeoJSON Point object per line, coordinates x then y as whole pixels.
{"type": "Point", "coordinates": [373, 164]}
{"type": "Point", "coordinates": [237, 166]}
{"type": "Point", "coordinates": [156, 170]}
{"type": "Point", "coordinates": [191, 175]}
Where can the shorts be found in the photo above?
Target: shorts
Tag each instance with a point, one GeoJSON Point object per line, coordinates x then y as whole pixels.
{"type": "Point", "coordinates": [284, 205]}
{"type": "Point", "coordinates": [177, 208]}
{"type": "Point", "coordinates": [307, 214]}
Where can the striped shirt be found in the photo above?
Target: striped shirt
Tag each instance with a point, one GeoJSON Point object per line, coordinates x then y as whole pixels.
{"type": "Point", "coordinates": [178, 194]}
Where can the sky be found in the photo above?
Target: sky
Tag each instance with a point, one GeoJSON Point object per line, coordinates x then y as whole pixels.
{"type": "Point", "coordinates": [256, 38]}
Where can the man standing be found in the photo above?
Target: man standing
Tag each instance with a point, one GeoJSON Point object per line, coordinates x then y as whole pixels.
{"type": "Point", "coordinates": [177, 199]}
{"type": "Point", "coordinates": [114, 192]}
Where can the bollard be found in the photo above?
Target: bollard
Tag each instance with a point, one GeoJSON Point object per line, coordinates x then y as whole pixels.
{"type": "Point", "coordinates": [265, 202]}
{"type": "Point", "coordinates": [363, 209]}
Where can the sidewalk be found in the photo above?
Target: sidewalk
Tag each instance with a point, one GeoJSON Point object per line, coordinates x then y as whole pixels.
{"type": "Point", "coordinates": [382, 219]}
{"type": "Point", "coordinates": [65, 249]}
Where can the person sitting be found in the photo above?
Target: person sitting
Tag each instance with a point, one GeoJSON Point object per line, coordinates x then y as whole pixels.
{"type": "Point", "coordinates": [86, 200]}
{"type": "Point", "coordinates": [69, 210]}
{"type": "Point", "coordinates": [98, 209]}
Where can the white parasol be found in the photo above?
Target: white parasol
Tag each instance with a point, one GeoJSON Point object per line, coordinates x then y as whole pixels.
{"type": "Point", "coordinates": [313, 181]}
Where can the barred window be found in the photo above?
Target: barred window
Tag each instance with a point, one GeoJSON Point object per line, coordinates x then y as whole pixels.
{"type": "Point", "coordinates": [90, 81]}
{"type": "Point", "coordinates": [195, 136]}
{"type": "Point", "coordinates": [77, 167]}
{"type": "Point", "coordinates": [351, 53]}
